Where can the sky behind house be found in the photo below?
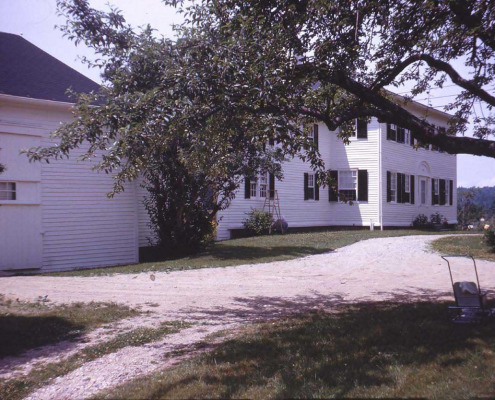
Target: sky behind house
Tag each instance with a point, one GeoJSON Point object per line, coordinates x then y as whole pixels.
{"type": "Point", "coordinates": [35, 20]}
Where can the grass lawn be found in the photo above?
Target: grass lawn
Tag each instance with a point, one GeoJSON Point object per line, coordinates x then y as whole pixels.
{"type": "Point", "coordinates": [464, 245]}
{"type": "Point", "coordinates": [256, 250]}
{"type": "Point", "coordinates": [373, 350]}
{"type": "Point", "coordinates": [25, 326]}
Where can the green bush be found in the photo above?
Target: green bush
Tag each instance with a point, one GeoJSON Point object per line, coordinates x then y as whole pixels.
{"type": "Point", "coordinates": [421, 222]}
{"type": "Point", "coordinates": [258, 222]}
{"type": "Point", "coordinates": [489, 237]}
{"type": "Point", "coordinates": [436, 218]}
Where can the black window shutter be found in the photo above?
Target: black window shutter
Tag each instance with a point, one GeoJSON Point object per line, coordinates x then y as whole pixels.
{"type": "Point", "coordinates": [306, 186]}
{"type": "Point", "coordinates": [399, 192]}
{"type": "Point", "coordinates": [333, 191]}
{"type": "Point", "coordinates": [391, 133]}
{"type": "Point", "coordinates": [412, 136]}
{"type": "Point", "coordinates": [400, 134]}
{"type": "Point", "coordinates": [271, 142]}
{"type": "Point", "coordinates": [389, 185]}
{"type": "Point", "coordinates": [315, 134]}
{"type": "Point", "coordinates": [317, 188]}
{"type": "Point", "coordinates": [451, 192]}
{"type": "Point", "coordinates": [247, 188]}
{"type": "Point", "coordinates": [412, 189]}
{"type": "Point", "coordinates": [434, 199]}
{"type": "Point", "coordinates": [442, 192]}
{"type": "Point", "coordinates": [272, 186]}
{"type": "Point", "coordinates": [362, 128]}
{"type": "Point", "coordinates": [363, 185]}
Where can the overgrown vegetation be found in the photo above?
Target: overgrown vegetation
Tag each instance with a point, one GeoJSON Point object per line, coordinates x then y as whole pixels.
{"type": "Point", "coordinates": [16, 389]}
{"type": "Point", "coordinates": [25, 326]}
{"type": "Point", "coordinates": [373, 350]}
{"type": "Point", "coordinates": [466, 244]}
{"type": "Point", "coordinates": [255, 250]}
{"type": "Point", "coordinates": [475, 203]}
{"type": "Point", "coordinates": [489, 238]}
{"type": "Point", "coordinates": [258, 222]}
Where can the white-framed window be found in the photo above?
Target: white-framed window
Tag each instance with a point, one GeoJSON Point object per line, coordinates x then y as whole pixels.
{"type": "Point", "coordinates": [311, 186]}
{"type": "Point", "coordinates": [263, 185]}
{"type": "Point", "coordinates": [407, 183]}
{"type": "Point", "coordinates": [436, 189]}
{"type": "Point", "coordinates": [348, 184]}
{"type": "Point", "coordinates": [407, 136]}
{"type": "Point", "coordinates": [7, 191]}
{"type": "Point", "coordinates": [311, 133]}
{"type": "Point", "coordinates": [393, 187]}
{"type": "Point", "coordinates": [254, 187]}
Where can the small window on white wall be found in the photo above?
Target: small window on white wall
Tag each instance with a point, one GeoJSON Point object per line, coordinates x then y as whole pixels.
{"type": "Point", "coordinates": [348, 185]}
{"type": "Point", "coordinates": [7, 191]}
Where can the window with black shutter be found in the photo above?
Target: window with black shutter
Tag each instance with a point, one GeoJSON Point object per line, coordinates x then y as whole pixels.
{"type": "Point", "coordinates": [451, 193]}
{"type": "Point", "coordinates": [310, 186]}
{"type": "Point", "coordinates": [306, 179]}
{"type": "Point", "coordinates": [362, 128]}
{"type": "Point", "coordinates": [247, 188]}
{"type": "Point", "coordinates": [442, 199]}
{"type": "Point", "coordinates": [272, 186]}
{"type": "Point", "coordinates": [333, 188]}
{"type": "Point", "coordinates": [412, 189]}
{"type": "Point", "coordinates": [389, 186]}
{"type": "Point", "coordinates": [391, 132]}
{"type": "Point", "coordinates": [434, 191]}
{"type": "Point", "coordinates": [363, 185]}
{"type": "Point", "coordinates": [400, 134]}
{"type": "Point", "coordinates": [316, 189]}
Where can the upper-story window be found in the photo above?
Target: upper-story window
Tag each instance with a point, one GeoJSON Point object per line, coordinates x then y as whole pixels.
{"type": "Point", "coordinates": [7, 191]}
{"type": "Point", "coordinates": [399, 134]}
{"type": "Point", "coordinates": [360, 128]}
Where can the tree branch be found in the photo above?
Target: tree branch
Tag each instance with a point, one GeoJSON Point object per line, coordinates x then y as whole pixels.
{"type": "Point", "coordinates": [468, 85]}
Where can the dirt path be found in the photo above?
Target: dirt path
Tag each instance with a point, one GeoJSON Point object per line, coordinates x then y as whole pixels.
{"type": "Point", "coordinates": [387, 268]}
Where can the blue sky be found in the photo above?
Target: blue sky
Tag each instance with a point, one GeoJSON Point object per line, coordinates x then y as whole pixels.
{"type": "Point", "coordinates": [36, 20]}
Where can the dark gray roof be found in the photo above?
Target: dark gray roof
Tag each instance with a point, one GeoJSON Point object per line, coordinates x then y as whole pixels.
{"type": "Point", "coordinates": [28, 71]}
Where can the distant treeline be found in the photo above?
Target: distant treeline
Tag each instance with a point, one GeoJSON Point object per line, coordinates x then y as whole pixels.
{"type": "Point", "coordinates": [475, 203]}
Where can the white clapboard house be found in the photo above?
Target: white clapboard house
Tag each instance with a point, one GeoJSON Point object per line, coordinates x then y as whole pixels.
{"type": "Point", "coordinates": [57, 216]}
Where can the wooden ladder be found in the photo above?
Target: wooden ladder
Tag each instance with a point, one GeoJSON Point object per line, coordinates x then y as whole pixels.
{"type": "Point", "coordinates": [272, 206]}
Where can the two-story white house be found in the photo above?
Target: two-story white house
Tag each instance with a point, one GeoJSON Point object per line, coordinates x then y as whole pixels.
{"type": "Point", "coordinates": [384, 180]}
{"type": "Point", "coordinates": [57, 216]}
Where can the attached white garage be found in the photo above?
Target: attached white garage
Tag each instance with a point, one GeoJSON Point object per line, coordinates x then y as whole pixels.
{"type": "Point", "coordinates": [54, 216]}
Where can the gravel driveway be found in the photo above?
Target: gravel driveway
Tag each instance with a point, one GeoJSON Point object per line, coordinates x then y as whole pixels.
{"type": "Point", "coordinates": [400, 268]}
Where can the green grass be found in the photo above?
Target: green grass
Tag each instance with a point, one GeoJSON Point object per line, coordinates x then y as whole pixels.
{"type": "Point", "coordinates": [16, 389]}
{"type": "Point", "coordinates": [256, 250]}
{"type": "Point", "coordinates": [374, 350]}
{"type": "Point", "coordinates": [25, 326]}
{"type": "Point", "coordinates": [464, 245]}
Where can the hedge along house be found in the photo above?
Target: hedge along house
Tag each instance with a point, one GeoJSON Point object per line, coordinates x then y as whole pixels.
{"type": "Point", "coordinates": [57, 216]}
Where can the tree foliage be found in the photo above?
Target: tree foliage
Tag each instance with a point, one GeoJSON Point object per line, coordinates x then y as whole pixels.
{"type": "Point", "coordinates": [242, 73]}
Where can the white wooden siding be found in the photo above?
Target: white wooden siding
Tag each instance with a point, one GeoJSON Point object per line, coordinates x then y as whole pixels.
{"type": "Point", "coordinates": [403, 158]}
{"type": "Point", "coordinates": [79, 226]}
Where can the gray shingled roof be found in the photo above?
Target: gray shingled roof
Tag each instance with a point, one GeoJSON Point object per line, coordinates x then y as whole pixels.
{"type": "Point", "coordinates": [28, 71]}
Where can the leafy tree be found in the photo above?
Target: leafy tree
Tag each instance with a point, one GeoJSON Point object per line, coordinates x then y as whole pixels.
{"type": "Point", "coordinates": [468, 211]}
{"type": "Point", "coordinates": [242, 74]}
